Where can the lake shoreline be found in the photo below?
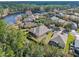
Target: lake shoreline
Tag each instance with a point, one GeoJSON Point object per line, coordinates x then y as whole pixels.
{"type": "Point", "coordinates": [13, 14]}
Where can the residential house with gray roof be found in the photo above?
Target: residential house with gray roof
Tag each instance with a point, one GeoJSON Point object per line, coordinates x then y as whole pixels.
{"type": "Point", "coordinates": [59, 39]}
{"type": "Point", "coordinates": [40, 33]}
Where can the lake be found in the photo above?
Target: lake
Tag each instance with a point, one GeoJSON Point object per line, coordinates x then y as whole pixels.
{"type": "Point", "coordinates": [10, 19]}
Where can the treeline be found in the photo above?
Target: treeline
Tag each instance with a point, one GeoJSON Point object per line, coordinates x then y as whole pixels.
{"type": "Point", "coordinates": [10, 8]}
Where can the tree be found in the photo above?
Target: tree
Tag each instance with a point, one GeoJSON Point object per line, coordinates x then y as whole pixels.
{"type": "Point", "coordinates": [70, 40]}
{"type": "Point", "coordinates": [12, 40]}
{"type": "Point", "coordinates": [3, 36]}
{"type": "Point", "coordinates": [2, 53]}
{"type": "Point", "coordinates": [2, 31]}
{"type": "Point", "coordinates": [68, 26]}
{"type": "Point", "coordinates": [17, 40]}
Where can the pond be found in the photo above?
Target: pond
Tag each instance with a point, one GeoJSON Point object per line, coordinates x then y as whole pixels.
{"type": "Point", "coordinates": [10, 19]}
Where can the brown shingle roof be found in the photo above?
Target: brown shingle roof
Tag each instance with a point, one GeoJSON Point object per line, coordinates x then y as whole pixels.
{"type": "Point", "coordinates": [38, 31]}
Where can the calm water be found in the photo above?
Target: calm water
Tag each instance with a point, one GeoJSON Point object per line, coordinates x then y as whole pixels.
{"type": "Point", "coordinates": [10, 19]}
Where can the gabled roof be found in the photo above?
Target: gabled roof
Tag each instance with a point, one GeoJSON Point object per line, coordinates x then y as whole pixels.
{"type": "Point", "coordinates": [18, 17]}
{"type": "Point", "coordinates": [54, 18]}
{"type": "Point", "coordinates": [61, 21]}
{"type": "Point", "coordinates": [40, 30]}
{"type": "Point", "coordinates": [29, 19]}
{"type": "Point", "coordinates": [29, 12]}
{"type": "Point", "coordinates": [74, 32]}
{"type": "Point", "coordinates": [60, 38]}
{"type": "Point", "coordinates": [29, 24]}
{"type": "Point", "coordinates": [61, 14]}
{"type": "Point", "coordinates": [77, 40]}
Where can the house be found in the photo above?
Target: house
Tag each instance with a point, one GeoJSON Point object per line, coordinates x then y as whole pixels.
{"type": "Point", "coordinates": [28, 25]}
{"type": "Point", "coordinates": [74, 18]}
{"type": "Point", "coordinates": [28, 12]}
{"type": "Point", "coordinates": [5, 12]}
{"type": "Point", "coordinates": [61, 21]}
{"type": "Point", "coordinates": [75, 45]}
{"type": "Point", "coordinates": [60, 15]}
{"type": "Point", "coordinates": [36, 15]}
{"type": "Point", "coordinates": [40, 34]}
{"type": "Point", "coordinates": [74, 26]}
{"type": "Point", "coordinates": [29, 19]}
{"type": "Point", "coordinates": [74, 32]}
{"type": "Point", "coordinates": [54, 19]}
{"type": "Point", "coordinates": [56, 10]}
{"type": "Point", "coordinates": [71, 25]}
{"type": "Point", "coordinates": [53, 27]}
{"type": "Point", "coordinates": [59, 39]}
{"type": "Point", "coordinates": [57, 20]}
{"type": "Point", "coordinates": [18, 19]}
{"type": "Point", "coordinates": [77, 41]}
{"type": "Point", "coordinates": [66, 17]}
{"type": "Point", "coordinates": [76, 14]}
